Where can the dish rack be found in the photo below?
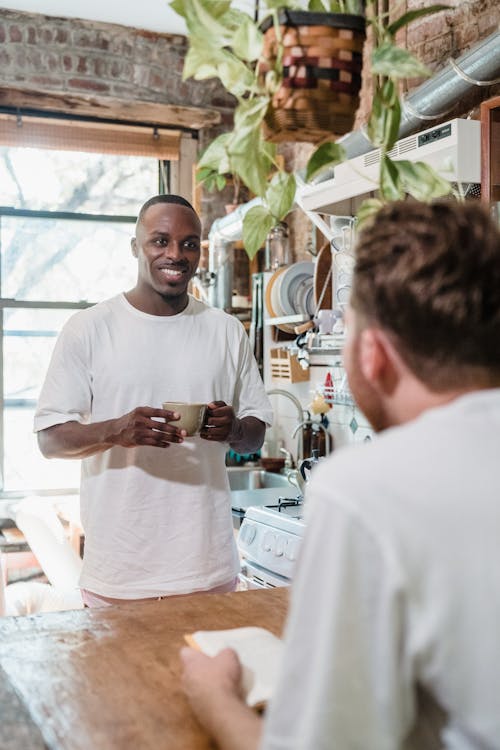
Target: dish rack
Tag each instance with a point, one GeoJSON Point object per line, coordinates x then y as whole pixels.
{"type": "Point", "coordinates": [338, 392]}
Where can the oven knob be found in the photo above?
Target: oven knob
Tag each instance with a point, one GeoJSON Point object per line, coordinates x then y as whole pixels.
{"type": "Point", "coordinates": [280, 546]}
{"type": "Point", "coordinates": [291, 550]}
{"type": "Point", "coordinates": [268, 542]}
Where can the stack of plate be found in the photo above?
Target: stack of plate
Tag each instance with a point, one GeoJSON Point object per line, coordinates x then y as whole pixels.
{"type": "Point", "coordinates": [290, 291]}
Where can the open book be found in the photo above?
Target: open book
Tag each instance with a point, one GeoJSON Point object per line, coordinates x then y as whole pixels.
{"type": "Point", "coordinates": [259, 652]}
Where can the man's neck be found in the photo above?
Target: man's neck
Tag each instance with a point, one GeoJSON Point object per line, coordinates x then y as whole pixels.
{"type": "Point", "coordinates": [156, 304]}
{"type": "Point", "coordinates": [412, 398]}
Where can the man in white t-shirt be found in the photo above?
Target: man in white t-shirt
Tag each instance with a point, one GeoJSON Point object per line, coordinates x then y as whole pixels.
{"type": "Point", "coordinates": [392, 639]}
{"type": "Point", "coordinates": [155, 504]}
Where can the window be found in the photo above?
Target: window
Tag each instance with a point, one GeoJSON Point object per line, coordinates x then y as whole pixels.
{"type": "Point", "coordinates": [66, 218]}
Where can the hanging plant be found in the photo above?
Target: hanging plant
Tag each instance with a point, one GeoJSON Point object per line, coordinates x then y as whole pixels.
{"type": "Point", "coordinates": [227, 44]}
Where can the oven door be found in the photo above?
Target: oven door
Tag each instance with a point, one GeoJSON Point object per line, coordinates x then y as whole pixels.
{"type": "Point", "coordinates": [253, 576]}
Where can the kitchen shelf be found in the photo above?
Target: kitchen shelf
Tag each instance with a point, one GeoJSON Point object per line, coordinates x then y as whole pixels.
{"type": "Point", "coordinates": [286, 319]}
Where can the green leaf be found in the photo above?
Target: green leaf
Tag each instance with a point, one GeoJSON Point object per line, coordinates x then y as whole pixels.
{"type": "Point", "coordinates": [421, 181]}
{"type": "Point", "coordinates": [247, 41]}
{"type": "Point", "coordinates": [249, 159]}
{"type": "Point", "coordinates": [215, 156]}
{"type": "Point", "coordinates": [390, 187]}
{"type": "Point", "coordinates": [395, 62]}
{"type": "Point", "coordinates": [205, 18]}
{"type": "Point", "coordinates": [249, 113]}
{"type": "Point", "coordinates": [385, 117]}
{"type": "Point", "coordinates": [327, 155]}
{"type": "Point", "coordinates": [368, 210]}
{"type": "Point", "coordinates": [234, 75]}
{"type": "Point", "coordinates": [200, 62]}
{"type": "Point", "coordinates": [316, 5]}
{"type": "Point", "coordinates": [407, 18]}
{"type": "Point", "coordinates": [211, 180]}
{"type": "Point", "coordinates": [280, 194]}
{"type": "Point", "coordinates": [257, 223]}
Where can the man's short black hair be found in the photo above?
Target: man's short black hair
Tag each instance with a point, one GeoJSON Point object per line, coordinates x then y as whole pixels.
{"type": "Point", "coordinates": [164, 198]}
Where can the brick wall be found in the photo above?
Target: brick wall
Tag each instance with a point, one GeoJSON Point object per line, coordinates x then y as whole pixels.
{"type": "Point", "coordinates": [91, 58]}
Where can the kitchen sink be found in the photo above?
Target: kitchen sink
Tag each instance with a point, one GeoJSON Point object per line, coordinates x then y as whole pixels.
{"type": "Point", "coordinates": [256, 487]}
{"type": "Point", "coordinates": [255, 479]}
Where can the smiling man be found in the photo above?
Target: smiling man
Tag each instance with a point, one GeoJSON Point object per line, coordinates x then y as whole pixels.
{"type": "Point", "coordinates": [157, 522]}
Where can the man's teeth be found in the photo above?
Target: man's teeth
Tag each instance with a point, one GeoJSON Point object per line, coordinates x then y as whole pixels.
{"type": "Point", "coordinates": [171, 271]}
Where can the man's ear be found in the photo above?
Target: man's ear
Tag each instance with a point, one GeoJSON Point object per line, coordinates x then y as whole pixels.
{"type": "Point", "coordinates": [376, 360]}
{"type": "Point", "coordinates": [133, 245]}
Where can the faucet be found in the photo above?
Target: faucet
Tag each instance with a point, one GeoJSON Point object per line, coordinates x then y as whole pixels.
{"type": "Point", "coordinates": [295, 401]}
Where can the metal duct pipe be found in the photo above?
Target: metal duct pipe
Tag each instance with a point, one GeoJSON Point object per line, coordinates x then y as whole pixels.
{"type": "Point", "coordinates": [222, 234]}
{"type": "Point", "coordinates": [432, 100]}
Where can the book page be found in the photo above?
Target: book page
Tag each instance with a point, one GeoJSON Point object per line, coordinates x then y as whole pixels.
{"type": "Point", "coordinates": [259, 652]}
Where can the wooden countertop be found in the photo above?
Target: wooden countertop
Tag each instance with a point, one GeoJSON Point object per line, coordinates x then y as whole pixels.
{"type": "Point", "coordinates": [109, 679]}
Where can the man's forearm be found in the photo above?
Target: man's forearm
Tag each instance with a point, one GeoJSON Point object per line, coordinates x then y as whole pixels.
{"type": "Point", "coordinates": [75, 440]}
{"type": "Point", "coordinates": [247, 435]}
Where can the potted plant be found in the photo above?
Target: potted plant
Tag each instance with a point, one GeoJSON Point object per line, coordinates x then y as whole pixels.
{"type": "Point", "coordinates": [228, 44]}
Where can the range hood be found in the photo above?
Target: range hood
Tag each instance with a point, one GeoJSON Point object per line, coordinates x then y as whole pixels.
{"type": "Point", "coordinates": [452, 148]}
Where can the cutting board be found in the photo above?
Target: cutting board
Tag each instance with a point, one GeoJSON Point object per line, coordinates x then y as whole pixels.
{"type": "Point", "coordinates": [322, 276]}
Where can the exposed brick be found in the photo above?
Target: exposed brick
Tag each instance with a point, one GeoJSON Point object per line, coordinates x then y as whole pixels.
{"type": "Point", "coordinates": [45, 36]}
{"type": "Point", "coordinates": [85, 84]}
{"type": "Point", "coordinates": [15, 34]}
{"type": "Point", "coordinates": [47, 81]}
{"type": "Point", "coordinates": [90, 38]}
{"type": "Point", "coordinates": [31, 36]}
{"type": "Point", "coordinates": [67, 63]}
{"type": "Point", "coordinates": [437, 50]}
{"type": "Point", "coordinates": [81, 66]}
{"type": "Point", "coordinates": [61, 36]}
{"type": "Point", "coordinates": [157, 81]}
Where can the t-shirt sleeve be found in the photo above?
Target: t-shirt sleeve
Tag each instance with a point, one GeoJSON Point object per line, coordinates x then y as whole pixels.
{"type": "Point", "coordinates": [66, 393]}
{"type": "Point", "coordinates": [345, 680]}
{"type": "Point", "coordinates": [250, 398]}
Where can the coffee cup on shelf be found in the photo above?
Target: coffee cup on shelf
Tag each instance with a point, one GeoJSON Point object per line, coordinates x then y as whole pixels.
{"type": "Point", "coordinates": [192, 416]}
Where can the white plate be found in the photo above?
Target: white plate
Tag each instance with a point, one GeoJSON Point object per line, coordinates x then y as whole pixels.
{"type": "Point", "coordinates": [304, 297]}
{"type": "Point", "coordinates": [290, 283]}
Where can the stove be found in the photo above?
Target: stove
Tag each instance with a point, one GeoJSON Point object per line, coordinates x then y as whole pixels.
{"type": "Point", "coordinates": [269, 541]}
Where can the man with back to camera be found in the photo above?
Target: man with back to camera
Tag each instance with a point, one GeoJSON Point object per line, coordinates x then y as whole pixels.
{"type": "Point", "coordinates": [157, 522]}
{"type": "Point", "coordinates": [392, 639]}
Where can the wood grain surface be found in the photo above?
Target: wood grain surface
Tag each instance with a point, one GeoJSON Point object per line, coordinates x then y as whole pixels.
{"type": "Point", "coordinates": [109, 679]}
{"type": "Point", "coordinates": [323, 278]}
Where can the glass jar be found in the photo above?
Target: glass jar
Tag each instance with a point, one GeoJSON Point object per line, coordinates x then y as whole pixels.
{"type": "Point", "coordinates": [277, 247]}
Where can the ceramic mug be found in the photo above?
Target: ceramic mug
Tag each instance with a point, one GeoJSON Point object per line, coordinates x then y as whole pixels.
{"type": "Point", "coordinates": [192, 415]}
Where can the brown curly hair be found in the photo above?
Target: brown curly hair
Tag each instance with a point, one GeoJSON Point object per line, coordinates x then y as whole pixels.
{"type": "Point", "coordinates": [429, 274]}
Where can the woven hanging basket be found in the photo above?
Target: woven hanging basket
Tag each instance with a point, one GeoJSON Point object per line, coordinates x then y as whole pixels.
{"type": "Point", "coordinates": [322, 61]}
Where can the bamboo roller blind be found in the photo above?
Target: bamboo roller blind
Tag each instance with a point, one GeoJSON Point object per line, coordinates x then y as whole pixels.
{"type": "Point", "coordinates": [97, 137]}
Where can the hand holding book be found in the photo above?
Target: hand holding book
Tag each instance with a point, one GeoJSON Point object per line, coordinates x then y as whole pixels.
{"type": "Point", "coordinates": [258, 650]}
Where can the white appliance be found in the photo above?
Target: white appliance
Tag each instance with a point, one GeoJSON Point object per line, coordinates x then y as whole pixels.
{"type": "Point", "coordinates": [269, 540]}
{"type": "Point", "coordinates": [453, 149]}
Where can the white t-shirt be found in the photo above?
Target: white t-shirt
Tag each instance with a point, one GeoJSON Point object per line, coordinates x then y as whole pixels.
{"type": "Point", "coordinates": [156, 521]}
{"type": "Point", "coordinates": [398, 585]}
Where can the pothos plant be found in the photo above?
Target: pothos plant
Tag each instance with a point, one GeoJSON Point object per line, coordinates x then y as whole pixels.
{"type": "Point", "coordinates": [227, 43]}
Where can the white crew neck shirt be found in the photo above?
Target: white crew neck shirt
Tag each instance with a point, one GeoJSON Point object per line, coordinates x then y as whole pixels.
{"type": "Point", "coordinates": [156, 521]}
{"type": "Point", "coordinates": [397, 586]}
